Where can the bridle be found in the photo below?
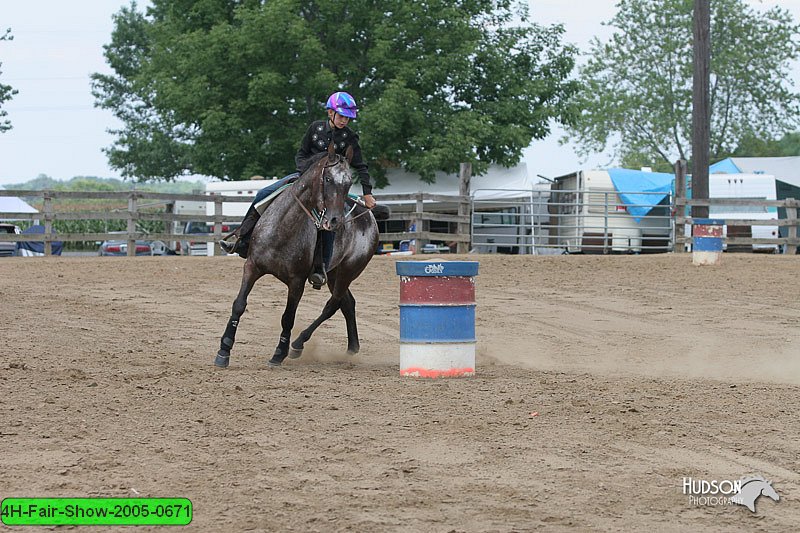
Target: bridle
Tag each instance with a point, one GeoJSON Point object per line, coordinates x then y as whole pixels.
{"type": "Point", "coordinates": [317, 213]}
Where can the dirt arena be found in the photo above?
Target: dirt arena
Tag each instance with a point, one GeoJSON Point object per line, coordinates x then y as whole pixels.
{"type": "Point", "coordinates": [601, 383]}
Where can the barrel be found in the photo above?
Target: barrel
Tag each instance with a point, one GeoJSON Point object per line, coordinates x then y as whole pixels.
{"type": "Point", "coordinates": [437, 318]}
{"type": "Point", "coordinates": [706, 241]}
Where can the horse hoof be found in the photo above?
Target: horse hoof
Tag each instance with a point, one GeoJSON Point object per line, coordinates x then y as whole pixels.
{"type": "Point", "coordinates": [295, 353]}
{"type": "Point", "coordinates": [273, 364]}
{"type": "Point", "coordinates": [353, 351]}
{"type": "Point", "coordinates": [222, 360]}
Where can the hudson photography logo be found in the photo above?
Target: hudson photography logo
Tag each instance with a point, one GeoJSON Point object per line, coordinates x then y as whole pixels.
{"type": "Point", "coordinates": [744, 491]}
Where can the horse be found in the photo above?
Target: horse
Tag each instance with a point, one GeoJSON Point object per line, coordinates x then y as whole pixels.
{"type": "Point", "coordinates": [752, 488]}
{"type": "Point", "coordinates": [283, 244]}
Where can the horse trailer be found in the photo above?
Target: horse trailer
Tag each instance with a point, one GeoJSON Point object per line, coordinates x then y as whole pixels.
{"type": "Point", "coordinates": [587, 215]}
{"type": "Point", "coordinates": [509, 221]}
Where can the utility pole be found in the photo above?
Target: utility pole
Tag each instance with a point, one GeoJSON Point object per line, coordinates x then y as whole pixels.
{"type": "Point", "coordinates": [701, 114]}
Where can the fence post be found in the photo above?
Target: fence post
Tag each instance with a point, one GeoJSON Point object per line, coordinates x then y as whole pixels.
{"type": "Point", "coordinates": [679, 206]}
{"type": "Point", "coordinates": [217, 226]}
{"type": "Point", "coordinates": [48, 223]}
{"type": "Point", "coordinates": [464, 178]}
{"type": "Point", "coordinates": [605, 223]}
{"type": "Point", "coordinates": [132, 217]}
{"type": "Point", "coordinates": [169, 225]}
{"type": "Point", "coordinates": [417, 224]}
{"type": "Point", "coordinates": [791, 214]}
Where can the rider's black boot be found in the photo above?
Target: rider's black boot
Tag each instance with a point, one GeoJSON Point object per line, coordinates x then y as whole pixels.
{"type": "Point", "coordinates": [322, 258]}
{"type": "Point", "coordinates": [241, 237]}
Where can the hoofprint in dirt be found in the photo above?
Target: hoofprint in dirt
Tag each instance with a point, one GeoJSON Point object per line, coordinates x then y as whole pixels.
{"type": "Point", "coordinates": [602, 383]}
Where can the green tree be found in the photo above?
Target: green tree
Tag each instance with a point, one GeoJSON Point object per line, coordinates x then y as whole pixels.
{"type": "Point", "coordinates": [788, 145]}
{"type": "Point", "coordinates": [227, 88]}
{"type": "Point", "coordinates": [6, 91]}
{"type": "Point", "coordinates": [636, 89]}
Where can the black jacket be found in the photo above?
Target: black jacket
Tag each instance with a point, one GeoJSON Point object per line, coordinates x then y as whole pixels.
{"type": "Point", "coordinates": [317, 139]}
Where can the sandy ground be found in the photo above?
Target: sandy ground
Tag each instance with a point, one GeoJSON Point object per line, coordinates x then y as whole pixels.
{"type": "Point", "coordinates": [640, 371]}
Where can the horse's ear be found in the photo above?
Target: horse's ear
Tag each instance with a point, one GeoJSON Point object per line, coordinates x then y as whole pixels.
{"type": "Point", "coordinates": [331, 148]}
{"type": "Point", "coordinates": [348, 154]}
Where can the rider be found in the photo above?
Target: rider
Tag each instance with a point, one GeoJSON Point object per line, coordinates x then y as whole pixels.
{"type": "Point", "coordinates": [341, 107]}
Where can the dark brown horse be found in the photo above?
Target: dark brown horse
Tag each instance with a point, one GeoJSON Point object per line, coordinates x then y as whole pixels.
{"type": "Point", "coordinates": [283, 244]}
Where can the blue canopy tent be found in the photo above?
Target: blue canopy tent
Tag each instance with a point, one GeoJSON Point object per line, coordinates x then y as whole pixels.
{"type": "Point", "coordinates": [726, 166]}
{"type": "Point", "coordinates": [35, 248]}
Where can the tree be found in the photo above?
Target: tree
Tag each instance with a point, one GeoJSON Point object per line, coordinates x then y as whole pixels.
{"type": "Point", "coordinates": [786, 146]}
{"type": "Point", "coordinates": [6, 91]}
{"type": "Point", "coordinates": [636, 89]}
{"type": "Point", "coordinates": [227, 88]}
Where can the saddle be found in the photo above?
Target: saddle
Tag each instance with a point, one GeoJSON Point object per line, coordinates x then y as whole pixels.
{"type": "Point", "coordinates": [264, 204]}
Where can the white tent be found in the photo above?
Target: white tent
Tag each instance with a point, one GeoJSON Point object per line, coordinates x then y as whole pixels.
{"type": "Point", "coordinates": [12, 204]}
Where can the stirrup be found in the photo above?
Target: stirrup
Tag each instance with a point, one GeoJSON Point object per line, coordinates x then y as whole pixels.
{"type": "Point", "coordinates": [317, 280]}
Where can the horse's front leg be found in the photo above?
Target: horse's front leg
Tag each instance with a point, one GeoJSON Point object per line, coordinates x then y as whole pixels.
{"type": "Point", "coordinates": [296, 289]}
{"type": "Point", "coordinates": [249, 277]}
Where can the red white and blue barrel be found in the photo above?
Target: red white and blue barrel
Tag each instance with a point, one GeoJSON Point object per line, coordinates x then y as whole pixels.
{"type": "Point", "coordinates": [706, 240]}
{"type": "Point", "coordinates": [437, 318]}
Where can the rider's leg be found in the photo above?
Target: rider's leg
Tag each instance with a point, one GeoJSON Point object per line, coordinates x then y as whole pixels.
{"type": "Point", "coordinates": [241, 237]}
{"type": "Point", "coordinates": [322, 260]}
{"type": "Point", "coordinates": [241, 241]}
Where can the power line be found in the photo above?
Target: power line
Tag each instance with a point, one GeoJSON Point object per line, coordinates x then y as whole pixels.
{"type": "Point", "coordinates": [47, 78]}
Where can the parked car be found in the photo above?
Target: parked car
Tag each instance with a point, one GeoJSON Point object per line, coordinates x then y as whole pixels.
{"type": "Point", "coordinates": [8, 248]}
{"type": "Point", "coordinates": [200, 248]}
{"type": "Point", "coordinates": [119, 247]}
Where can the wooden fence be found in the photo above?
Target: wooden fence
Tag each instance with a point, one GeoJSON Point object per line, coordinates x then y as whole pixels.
{"type": "Point", "coordinates": [416, 209]}
{"type": "Point", "coordinates": [790, 242]}
{"type": "Point", "coordinates": [137, 199]}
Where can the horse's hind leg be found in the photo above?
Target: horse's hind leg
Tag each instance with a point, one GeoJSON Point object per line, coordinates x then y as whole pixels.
{"type": "Point", "coordinates": [348, 307]}
{"type": "Point", "coordinates": [331, 306]}
{"type": "Point", "coordinates": [287, 321]}
{"type": "Point", "coordinates": [249, 278]}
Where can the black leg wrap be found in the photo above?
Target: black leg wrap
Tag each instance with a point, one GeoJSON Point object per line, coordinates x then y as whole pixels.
{"type": "Point", "coordinates": [230, 334]}
{"type": "Point", "coordinates": [223, 358]}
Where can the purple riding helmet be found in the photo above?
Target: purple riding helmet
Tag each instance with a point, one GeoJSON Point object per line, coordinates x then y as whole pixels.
{"type": "Point", "coordinates": [343, 103]}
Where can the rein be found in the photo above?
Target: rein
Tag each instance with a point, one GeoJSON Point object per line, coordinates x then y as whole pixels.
{"type": "Point", "coordinates": [356, 203]}
{"type": "Point", "coordinates": [317, 220]}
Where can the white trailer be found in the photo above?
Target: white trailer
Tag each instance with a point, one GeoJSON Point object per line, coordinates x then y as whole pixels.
{"type": "Point", "coordinates": [588, 216]}
{"type": "Point", "coordinates": [234, 211]}
{"type": "Point", "coordinates": [746, 187]}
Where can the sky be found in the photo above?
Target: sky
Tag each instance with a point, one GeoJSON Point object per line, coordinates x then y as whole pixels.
{"type": "Point", "coordinates": [57, 131]}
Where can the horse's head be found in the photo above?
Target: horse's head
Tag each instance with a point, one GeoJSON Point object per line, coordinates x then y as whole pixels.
{"type": "Point", "coordinates": [330, 183]}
